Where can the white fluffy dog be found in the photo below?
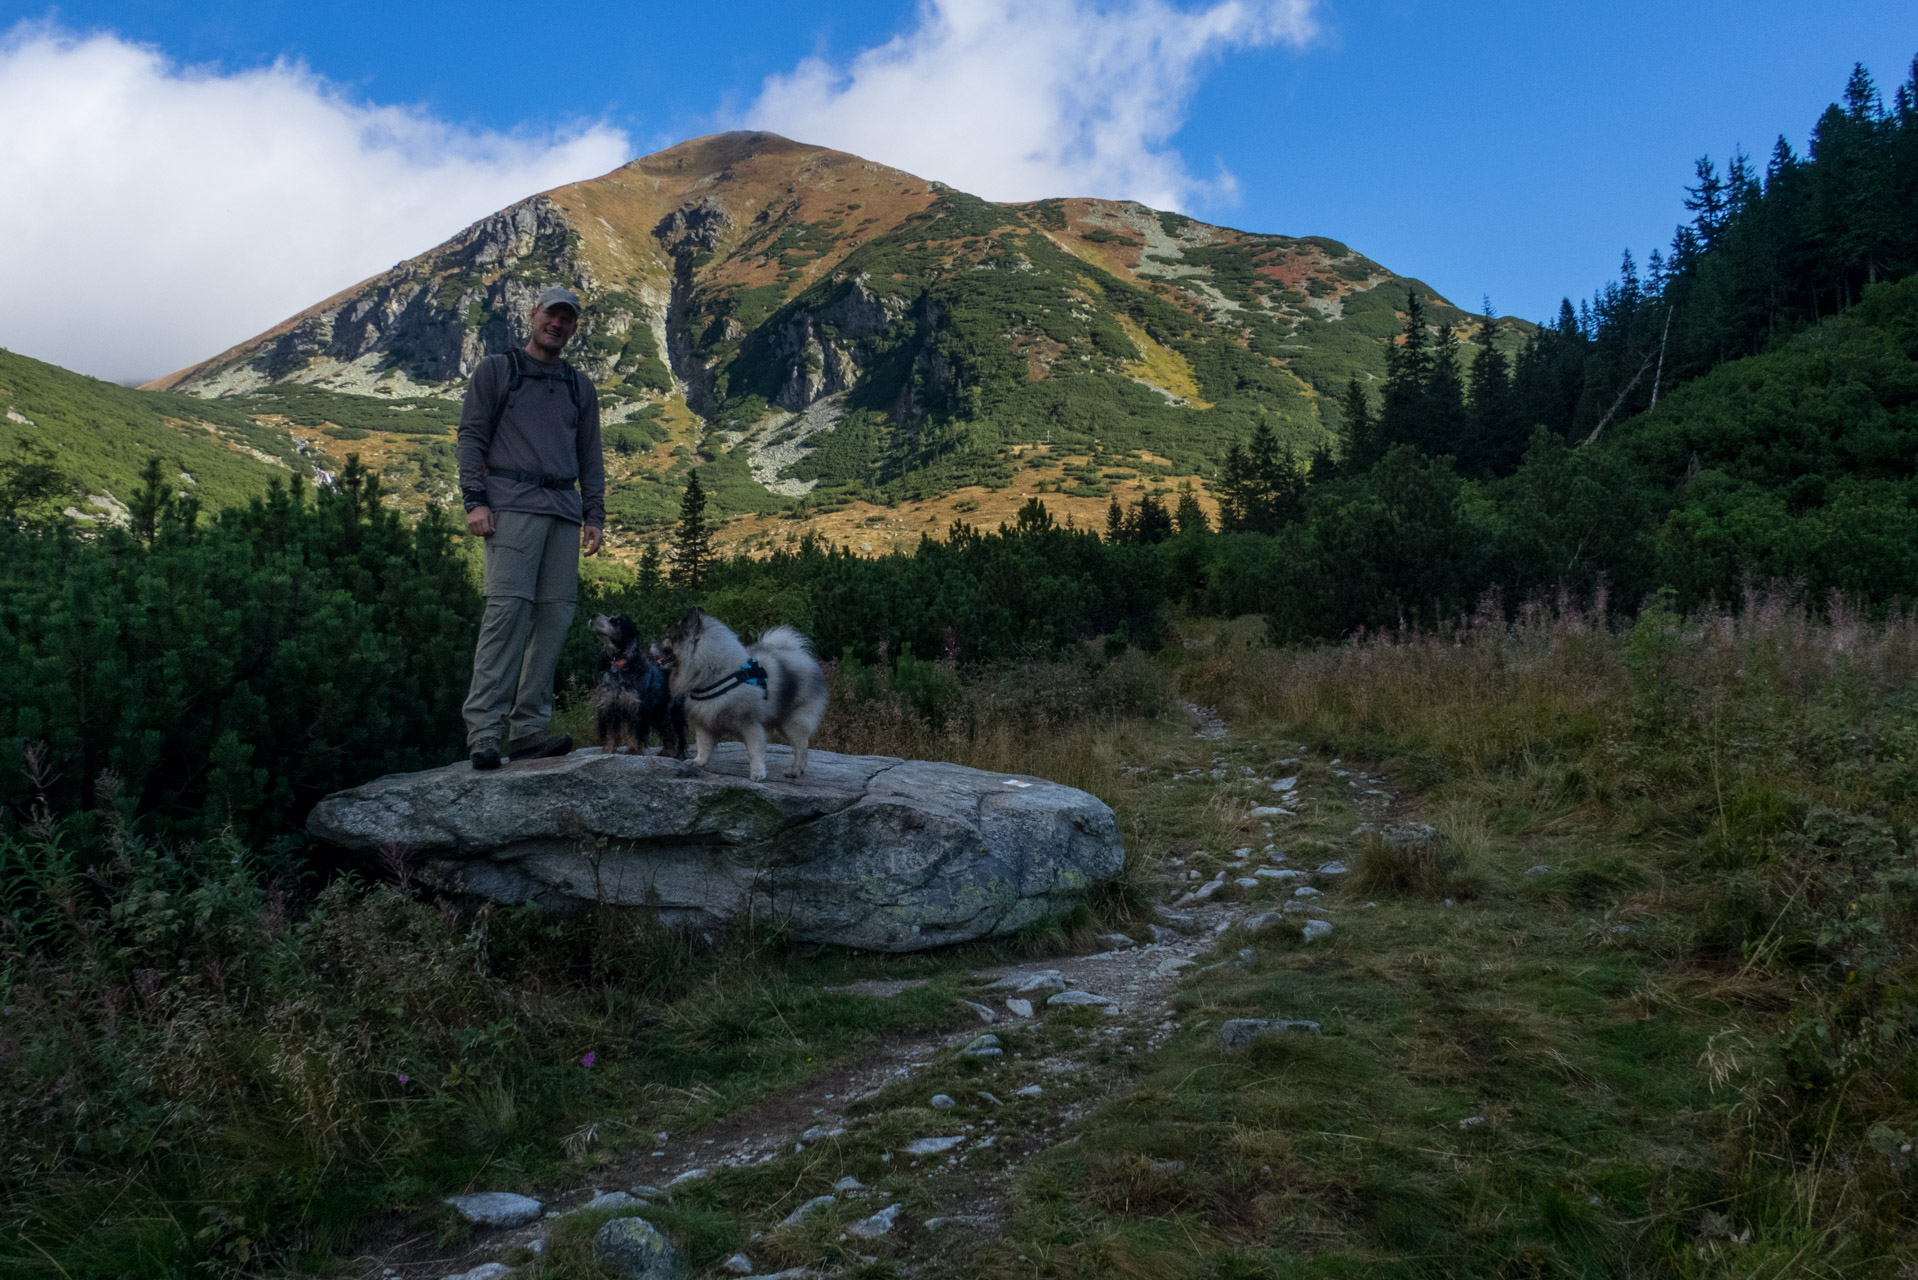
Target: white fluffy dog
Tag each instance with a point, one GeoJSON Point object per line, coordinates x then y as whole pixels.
{"type": "Point", "coordinates": [733, 690]}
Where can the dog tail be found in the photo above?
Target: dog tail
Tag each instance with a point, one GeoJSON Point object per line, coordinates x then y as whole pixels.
{"type": "Point", "coordinates": [786, 639]}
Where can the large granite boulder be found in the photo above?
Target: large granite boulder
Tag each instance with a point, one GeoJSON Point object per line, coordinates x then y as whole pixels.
{"type": "Point", "coordinates": [864, 851]}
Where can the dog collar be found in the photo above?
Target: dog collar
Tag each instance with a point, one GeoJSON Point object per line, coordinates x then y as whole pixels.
{"type": "Point", "coordinates": [619, 664]}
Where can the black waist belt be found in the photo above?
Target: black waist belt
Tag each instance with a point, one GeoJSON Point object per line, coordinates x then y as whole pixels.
{"type": "Point", "coordinates": [533, 477]}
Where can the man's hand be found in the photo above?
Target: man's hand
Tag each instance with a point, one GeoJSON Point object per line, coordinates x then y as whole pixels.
{"type": "Point", "coordinates": [480, 521]}
{"type": "Point", "coordinates": [590, 538]}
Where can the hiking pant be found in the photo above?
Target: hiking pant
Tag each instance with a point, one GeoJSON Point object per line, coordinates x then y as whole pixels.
{"type": "Point", "coordinates": [532, 587]}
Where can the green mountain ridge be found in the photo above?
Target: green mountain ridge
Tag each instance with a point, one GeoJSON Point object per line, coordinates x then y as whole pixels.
{"type": "Point", "coordinates": [100, 435]}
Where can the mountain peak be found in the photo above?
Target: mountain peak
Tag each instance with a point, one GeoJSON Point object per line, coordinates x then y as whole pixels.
{"type": "Point", "coordinates": [815, 326]}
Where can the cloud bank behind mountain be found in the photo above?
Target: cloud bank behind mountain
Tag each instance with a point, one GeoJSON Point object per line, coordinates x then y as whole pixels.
{"type": "Point", "coordinates": [159, 213]}
{"type": "Point", "coordinates": [1014, 100]}
{"type": "Point", "coordinates": [156, 214]}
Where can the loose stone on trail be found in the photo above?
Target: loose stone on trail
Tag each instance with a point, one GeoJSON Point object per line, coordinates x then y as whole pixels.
{"type": "Point", "coordinates": [484, 1271]}
{"type": "Point", "coordinates": [1043, 980]}
{"type": "Point", "coordinates": [985, 1014]}
{"type": "Point", "coordinates": [933, 1146]}
{"type": "Point", "coordinates": [496, 1208]}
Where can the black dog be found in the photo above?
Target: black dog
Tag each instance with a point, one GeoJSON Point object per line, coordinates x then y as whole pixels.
{"type": "Point", "coordinates": [632, 698]}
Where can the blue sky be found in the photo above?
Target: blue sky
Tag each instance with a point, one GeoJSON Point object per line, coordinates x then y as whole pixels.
{"type": "Point", "coordinates": [1502, 148]}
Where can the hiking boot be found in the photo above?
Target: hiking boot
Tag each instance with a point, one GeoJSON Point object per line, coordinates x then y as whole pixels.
{"type": "Point", "coordinates": [486, 753]}
{"type": "Point", "coordinates": [539, 746]}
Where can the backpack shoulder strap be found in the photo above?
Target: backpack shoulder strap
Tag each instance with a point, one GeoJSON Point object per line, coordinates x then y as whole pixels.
{"type": "Point", "coordinates": [516, 374]}
{"type": "Point", "coordinates": [572, 387]}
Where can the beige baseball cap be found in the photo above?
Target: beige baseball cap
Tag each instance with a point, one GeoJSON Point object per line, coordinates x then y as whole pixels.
{"type": "Point", "coordinates": [556, 295]}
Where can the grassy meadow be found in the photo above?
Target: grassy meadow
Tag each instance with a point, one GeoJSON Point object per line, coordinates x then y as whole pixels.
{"type": "Point", "coordinates": [1641, 1008]}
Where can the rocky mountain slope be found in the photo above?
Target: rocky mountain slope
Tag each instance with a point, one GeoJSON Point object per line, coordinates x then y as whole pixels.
{"type": "Point", "coordinates": [825, 334]}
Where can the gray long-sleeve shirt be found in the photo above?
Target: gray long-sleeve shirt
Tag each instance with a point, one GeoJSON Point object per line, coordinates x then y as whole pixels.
{"type": "Point", "coordinates": [539, 433]}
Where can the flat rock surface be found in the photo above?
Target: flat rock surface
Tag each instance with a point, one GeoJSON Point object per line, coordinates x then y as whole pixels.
{"type": "Point", "coordinates": [865, 851]}
{"type": "Point", "coordinates": [496, 1208]}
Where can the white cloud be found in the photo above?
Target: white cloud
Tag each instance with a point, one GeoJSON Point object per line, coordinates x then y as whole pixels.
{"type": "Point", "coordinates": [1022, 99]}
{"type": "Point", "coordinates": [154, 215]}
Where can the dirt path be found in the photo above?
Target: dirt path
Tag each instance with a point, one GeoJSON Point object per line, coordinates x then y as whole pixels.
{"type": "Point", "coordinates": [1020, 1105]}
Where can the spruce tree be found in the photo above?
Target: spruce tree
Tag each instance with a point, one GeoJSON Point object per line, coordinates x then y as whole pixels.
{"type": "Point", "coordinates": [1706, 201]}
{"type": "Point", "coordinates": [1358, 430]}
{"type": "Point", "coordinates": [1190, 516]}
{"type": "Point", "coordinates": [1444, 420]}
{"type": "Point", "coordinates": [1149, 522]}
{"type": "Point", "coordinates": [692, 544]}
{"type": "Point", "coordinates": [652, 573]}
{"type": "Point", "coordinates": [1115, 522]}
{"type": "Point", "coordinates": [1408, 366]}
{"type": "Point", "coordinates": [1496, 442]}
{"type": "Point", "coordinates": [1235, 489]}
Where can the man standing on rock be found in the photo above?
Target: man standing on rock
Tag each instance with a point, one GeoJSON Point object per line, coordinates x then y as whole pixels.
{"type": "Point", "coordinates": [534, 485]}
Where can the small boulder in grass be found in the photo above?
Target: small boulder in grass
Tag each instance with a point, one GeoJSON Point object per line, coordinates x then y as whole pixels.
{"type": "Point", "coordinates": [1316, 929]}
{"type": "Point", "coordinates": [986, 1046]}
{"type": "Point", "coordinates": [807, 1210]}
{"type": "Point", "coordinates": [1239, 1033]}
{"type": "Point", "coordinates": [635, 1250]}
{"type": "Point", "coordinates": [877, 1225]}
{"type": "Point", "coordinates": [612, 1200]}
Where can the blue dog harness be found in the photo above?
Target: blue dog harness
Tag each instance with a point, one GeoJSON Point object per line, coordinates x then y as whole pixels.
{"type": "Point", "coordinates": [751, 673]}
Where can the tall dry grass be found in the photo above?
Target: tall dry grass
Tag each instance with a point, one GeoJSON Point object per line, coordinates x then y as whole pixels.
{"type": "Point", "coordinates": [1757, 765]}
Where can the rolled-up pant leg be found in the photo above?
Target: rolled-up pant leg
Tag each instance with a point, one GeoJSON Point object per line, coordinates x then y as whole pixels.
{"type": "Point", "coordinates": [532, 583]}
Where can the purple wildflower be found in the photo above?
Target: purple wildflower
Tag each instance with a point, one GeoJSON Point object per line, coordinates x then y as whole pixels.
{"type": "Point", "coordinates": [589, 1059]}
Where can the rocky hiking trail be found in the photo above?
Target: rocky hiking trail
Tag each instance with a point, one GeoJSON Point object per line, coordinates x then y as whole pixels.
{"type": "Point", "coordinates": [923, 1139]}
